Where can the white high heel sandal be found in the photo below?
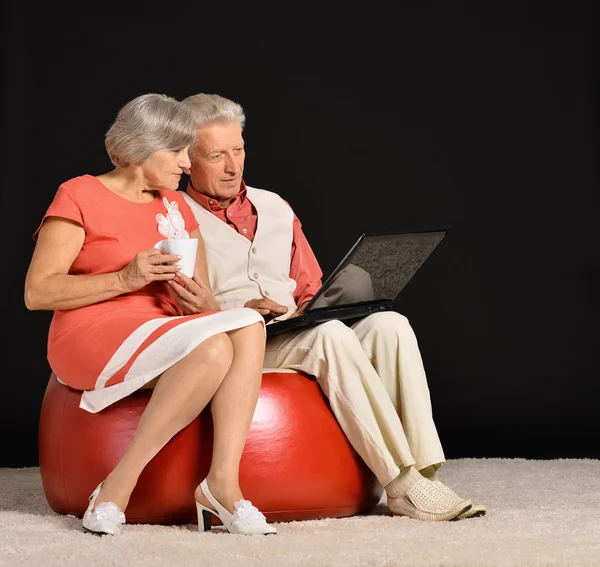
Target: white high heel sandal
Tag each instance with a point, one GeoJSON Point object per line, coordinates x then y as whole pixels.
{"type": "Point", "coordinates": [106, 518]}
{"type": "Point", "coordinates": [246, 518]}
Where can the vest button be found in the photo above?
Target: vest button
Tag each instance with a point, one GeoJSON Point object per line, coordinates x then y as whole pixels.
{"type": "Point", "coordinates": [255, 275]}
{"type": "Point", "coordinates": [253, 250]}
{"type": "Point", "coordinates": [266, 292]}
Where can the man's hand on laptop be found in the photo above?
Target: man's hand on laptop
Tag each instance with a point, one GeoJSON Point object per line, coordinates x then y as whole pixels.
{"type": "Point", "coordinates": [266, 307]}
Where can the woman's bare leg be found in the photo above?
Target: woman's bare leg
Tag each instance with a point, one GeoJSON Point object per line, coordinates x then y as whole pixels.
{"type": "Point", "coordinates": [179, 396]}
{"type": "Point", "coordinates": [232, 409]}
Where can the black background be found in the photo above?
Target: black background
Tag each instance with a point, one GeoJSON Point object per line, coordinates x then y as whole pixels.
{"type": "Point", "coordinates": [482, 116]}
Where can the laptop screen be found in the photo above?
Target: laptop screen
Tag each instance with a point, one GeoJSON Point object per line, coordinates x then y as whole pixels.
{"type": "Point", "coordinates": [377, 267]}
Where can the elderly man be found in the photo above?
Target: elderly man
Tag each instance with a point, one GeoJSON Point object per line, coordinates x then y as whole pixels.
{"type": "Point", "coordinates": [371, 370]}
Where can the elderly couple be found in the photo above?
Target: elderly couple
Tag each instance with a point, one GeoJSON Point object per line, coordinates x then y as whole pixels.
{"type": "Point", "coordinates": [126, 317]}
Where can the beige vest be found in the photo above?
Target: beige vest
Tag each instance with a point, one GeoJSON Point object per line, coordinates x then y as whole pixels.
{"type": "Point", "coordinates": [240, 270]}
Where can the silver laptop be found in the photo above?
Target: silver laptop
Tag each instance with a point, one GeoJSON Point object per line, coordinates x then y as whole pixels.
{"type": "Point", "coordinates": [367, 280]}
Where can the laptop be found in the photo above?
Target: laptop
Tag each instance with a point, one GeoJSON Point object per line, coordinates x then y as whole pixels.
{"type": "Point", "coordinates": [367, 280]}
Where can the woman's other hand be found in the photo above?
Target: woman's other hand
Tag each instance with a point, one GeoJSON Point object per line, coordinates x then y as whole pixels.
{"type": "Point", "coordinates": [192, 295]}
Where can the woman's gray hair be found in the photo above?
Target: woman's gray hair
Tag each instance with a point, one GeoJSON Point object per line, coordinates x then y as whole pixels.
{"type": "Point", "coordinates": [146, 124]}
{"type": "Point", "coordinates": [214, 109]}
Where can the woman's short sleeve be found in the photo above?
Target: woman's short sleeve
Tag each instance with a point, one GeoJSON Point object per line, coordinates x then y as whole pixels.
{"type": "Point", "coordinates": [63, 205]}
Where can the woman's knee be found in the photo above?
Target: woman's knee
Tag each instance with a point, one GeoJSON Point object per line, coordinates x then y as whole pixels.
{"type": "Point", "coordinates": [254, 331]}
{"type": "Point", "coordinates": [216, 351]}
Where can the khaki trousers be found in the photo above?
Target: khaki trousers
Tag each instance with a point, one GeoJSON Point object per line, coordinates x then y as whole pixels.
{"type": "Point", "coordinates": [373, 375]}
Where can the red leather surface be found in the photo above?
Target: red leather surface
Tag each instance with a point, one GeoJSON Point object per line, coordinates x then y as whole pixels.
{"type": "Point", "coordinates": [297, 463]}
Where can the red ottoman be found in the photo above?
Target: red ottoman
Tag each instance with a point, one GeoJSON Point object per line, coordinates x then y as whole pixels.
{"type": "Point", "coordinates": [297, 463]}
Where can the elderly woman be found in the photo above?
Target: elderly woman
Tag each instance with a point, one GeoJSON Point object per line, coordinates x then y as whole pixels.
{"type": "Point", "coordinates": [126, 317]}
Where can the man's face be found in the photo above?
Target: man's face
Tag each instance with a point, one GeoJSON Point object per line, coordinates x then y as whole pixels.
{"type": "Point", "coordinates": [217, 161]}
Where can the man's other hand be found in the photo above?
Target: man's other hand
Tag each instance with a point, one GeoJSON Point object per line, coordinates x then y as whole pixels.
{"type": "Point", "coordinates": [267, 308]}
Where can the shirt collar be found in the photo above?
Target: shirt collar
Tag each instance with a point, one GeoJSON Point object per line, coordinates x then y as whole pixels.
{"type": "Point", "coordinates": [212, 204]}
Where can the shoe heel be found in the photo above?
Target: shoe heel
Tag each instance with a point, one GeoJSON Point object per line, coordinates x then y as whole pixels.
{"type": "Point", "coordinates": [204, 517]}
{"type": "Point", "coordinates": [207, 518]}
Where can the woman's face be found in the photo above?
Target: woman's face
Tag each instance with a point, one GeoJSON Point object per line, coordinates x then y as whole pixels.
{"type": "Point", "coordinates": [163, 169]}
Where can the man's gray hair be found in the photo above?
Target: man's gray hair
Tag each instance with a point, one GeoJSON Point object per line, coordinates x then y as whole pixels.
{"type": "Point", "coordinates": [146, 124]}
{"type": "Point", "coordinates": [214, 109]}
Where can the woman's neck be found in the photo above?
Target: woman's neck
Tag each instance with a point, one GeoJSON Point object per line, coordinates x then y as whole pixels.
{"type": "Point", "coordinates": [127, 183]}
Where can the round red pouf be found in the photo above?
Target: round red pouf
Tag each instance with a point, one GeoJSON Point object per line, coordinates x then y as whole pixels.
{"type": "Point", "coordinates": [297, 463]}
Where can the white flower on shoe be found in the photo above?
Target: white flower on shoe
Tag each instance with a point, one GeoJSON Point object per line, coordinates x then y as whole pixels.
{"type": "Point", "coordinates": [245, 514]}
{"type": "Point", "coordinates": [109, 511]}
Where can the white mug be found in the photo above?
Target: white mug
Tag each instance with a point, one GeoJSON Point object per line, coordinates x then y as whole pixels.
{"type": "Point", "coordinates": [186, 248]}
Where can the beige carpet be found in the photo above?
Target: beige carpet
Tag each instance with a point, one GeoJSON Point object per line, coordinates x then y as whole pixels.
{"type": "Point", "coordinates": [541, 513]}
